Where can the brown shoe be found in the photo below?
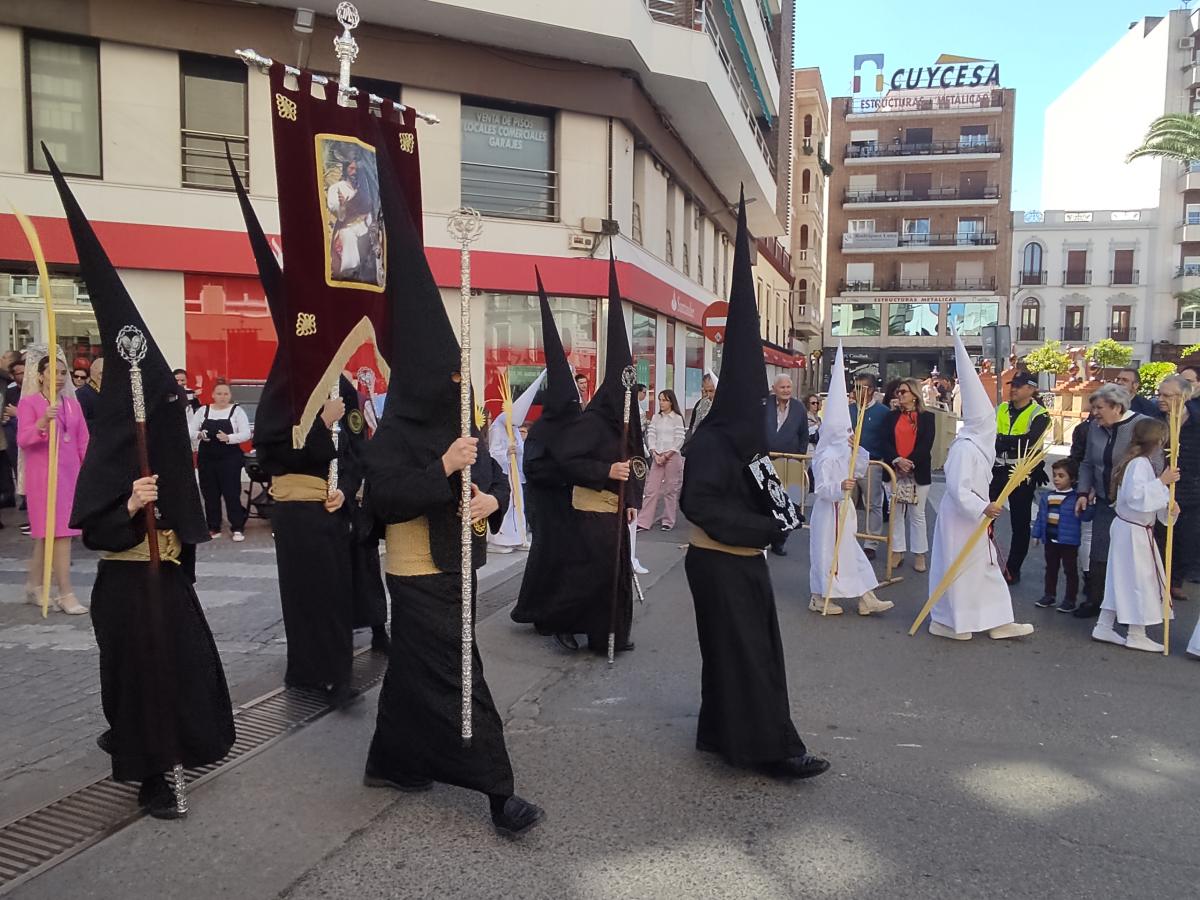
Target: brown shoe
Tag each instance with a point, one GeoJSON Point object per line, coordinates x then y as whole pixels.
{"type": "Point", "coordinates": [919, 563]}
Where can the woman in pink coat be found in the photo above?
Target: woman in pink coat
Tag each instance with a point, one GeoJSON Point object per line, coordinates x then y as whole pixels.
{"type": "Point", "coordinates": [34, 414]}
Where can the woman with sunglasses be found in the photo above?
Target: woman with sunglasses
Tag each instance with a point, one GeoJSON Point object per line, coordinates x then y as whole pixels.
{"type": "Point", "coordinates": [908, 434]}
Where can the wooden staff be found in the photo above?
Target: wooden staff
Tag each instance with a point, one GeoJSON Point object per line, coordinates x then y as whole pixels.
{"type": "Point", "coordinates": [1021, 471]}
{"type": "Point", "coordinates": [465, 226]}
{"type": "Point", "coordinates": [1174, 424]}
{"type": "Point", "coordinates": [52, 426]}
{"type": "Point", "coordinates": [845, 504]}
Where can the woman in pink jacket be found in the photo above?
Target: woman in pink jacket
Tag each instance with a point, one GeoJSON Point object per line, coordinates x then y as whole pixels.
{"type": "Point", "coordinates": [34, 414]}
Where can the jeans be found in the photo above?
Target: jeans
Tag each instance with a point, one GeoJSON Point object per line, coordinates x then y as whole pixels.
{"type": "Point", "coordinates": [912, 516]}
{"type": "Point", "coordinates": [1067, 557]}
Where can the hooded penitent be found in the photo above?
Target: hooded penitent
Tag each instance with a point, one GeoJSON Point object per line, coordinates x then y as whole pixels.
{"type": "Point", "coordinates": [835, 422]}
{"type": "Point", "coordinates": [979, 415]}
{"type": "Point", "coordinates": [559, 397]}
{"type": "Point", "coordinates": [111, 464]}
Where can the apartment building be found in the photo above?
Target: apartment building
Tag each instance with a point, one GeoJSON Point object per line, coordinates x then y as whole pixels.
{"type": "Point", "coordinates": [919, 219]}
{"type": "Point", "coordinates": [642, 120]}
{"type": "Point", "coordinates": [809, 200]}
{"type": "Point", "coordinates": [1153, 69]}
{"type": "Point", "coordinates": [1080, 275]}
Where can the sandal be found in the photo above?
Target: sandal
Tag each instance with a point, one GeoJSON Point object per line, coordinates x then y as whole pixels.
{"type": "Point", "coordinates": [69, 604]}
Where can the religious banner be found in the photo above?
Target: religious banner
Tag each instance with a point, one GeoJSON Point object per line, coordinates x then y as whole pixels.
{"type": "Point", "coordinates": [332, 302]}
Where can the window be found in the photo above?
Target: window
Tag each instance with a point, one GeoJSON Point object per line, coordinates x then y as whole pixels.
{"type": "Point", "coordinates": [912, 320]}
{"type": "Point", "coordinates": [805, 184]}
{"type": "Point", "coordinates": [970, 318]}
{"type": "Point", "coordinates": [808, 125]}
{"type": "Point", "coordinates": [513, 336]}
{"type": "Point", "coordinates": [855, 320]}
{"type": "Point", "coordinates": [1189, 314]}
{"type": "Point", "coordinates": [916, 231]}
{"type": "Point", "coordinates": [917, 184]}
{"type": "Point", "coordinates": [1192, 214]}
{"type": "Point", "coordinates": [802, 252]}
{"type": "Point", "coordinates": [972, 135]}
{"type": "Point", "coordinates": [693, 372]}
{"type": "Point", "coordinates": [972, 185]}
{"type": "Point", "coordinates": [1122, 272]}
{"type": "Point", "coordinates": [918, 135]}
{"type": "Point", "coordinates": [860, 276]}
{"type": "Point", "coordinates": [670, 249]}
{"type": "Point", "coordinates": [25, 286]}
{"type": "Point", "coordinates": [1077, 270]}
{"type": "Point", "coordinates": [970, 229]}
{"type": "Point", "coordinates": [1031, 264]}
{"type": "Point", "coordinates": [1073, 327]}
{"type": "Point", "coordinates": [914, 276]}
{"type": "Point", "coordinates": [213, 109]}
{"type": "Point", "coordinates": [802, 291]}
{"type": "Point", "coordinates": [507, 154]}
{"type": "Point", "coordinates": [62, 84]}
{"type": "Point", "coordinates": [636, 228]}
{"type": "Point", "coordinates": [968, 276]}
{"type": "Point", "coordinates": [861, 226]}
{"type": "Point", "coordinates": [861, 187]}
{"type": "Point", "coordinates": [1031, 320]}
{"type": "Point", "coordinates": [1118, 328]}
{"type": "Point", "coordinates": [645, 343]}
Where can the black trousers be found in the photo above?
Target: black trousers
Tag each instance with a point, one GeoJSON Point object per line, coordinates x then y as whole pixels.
{"type": "Point", "coordinates": [221, 478]}
{"type": "Point", "coordinates": [1020, 515]}
{"type": "Point", "coordinates": [1187, 543]}
{"type": "Point", "coordinates": [1068, 558]}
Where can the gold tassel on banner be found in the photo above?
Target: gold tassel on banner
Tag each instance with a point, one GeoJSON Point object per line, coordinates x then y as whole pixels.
{"type": "Point", "coordinates": [52, 371]}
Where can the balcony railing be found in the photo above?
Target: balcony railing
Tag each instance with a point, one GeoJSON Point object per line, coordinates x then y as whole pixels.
{"type": "Point", "coordinates": [1122, 333]}
{"type": "Point", "coordinates": [903, 101]}
{"type": "Point", "coordinates": [684, 13]}
{"type": "Point", "coordinates": [854, 287]}
{"type": "Point", "coordinates": [1031, 333]}
{"type": "Point", "coordinates": [954, 192]}
{"type": "Point", "coordinates": [1077, 278]}
{"type": "Point", "coordinates": [1190, 270]}
{"type": "Point", "coordinates": [921, 284]}
{"type": "Point", "coordinates": [1124, 276]}
{"type": "Point", "coordinates": [1075, 333]}
{"type": "Point", "coordinates": [933, 148]}
{"type": "Point", "coordinates": [203, 159]}
{"type": "Point", "coordinates": [510, 192]}
{"type": "Point", "coordinates": [883, 240]}
{"type": "Point", "coordinates": [773, 250]}
{"type": "Point", "coordinates": [1190, 323]}
{"type": "Point", "coordinates": [1033, 278]}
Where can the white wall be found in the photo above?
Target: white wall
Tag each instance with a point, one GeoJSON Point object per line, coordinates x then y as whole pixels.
{"type": "Point", "coordinates": [12, 100]}
{"type": "Point", "coordinates": [159, 298]}
{"type": "Point", "coordinates": [140, 115]}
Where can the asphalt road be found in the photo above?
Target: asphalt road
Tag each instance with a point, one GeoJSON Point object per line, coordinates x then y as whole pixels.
{"type": "Point", "coordinates": [1047, 767]}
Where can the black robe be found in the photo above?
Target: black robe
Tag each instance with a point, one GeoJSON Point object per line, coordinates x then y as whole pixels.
{"type": "Point", "coordinates": [417, 729]}
{"type": "Point", "coordinates": [312, 551]}
{"type": "Point", "coordinates": [744, 711]}
{"type": "Point", "coordinates": [369, 596]}
{"type": "Point", "coordinates": [596, 551]}
{"type": "Point", "coordinates": [548, 496]}
{"type": "Point", "coordinates": [162, 686]}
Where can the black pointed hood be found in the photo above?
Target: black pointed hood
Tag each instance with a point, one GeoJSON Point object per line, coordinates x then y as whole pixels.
{"type": "Point", "coordinates": [111, 463]}
{"type": "Point", "coordinates": [560, 397]}
{"type": "Point", "coordinates": [737, 408]}
{"type": "Point", "coordinates": [609, 399]}
{"type": "Point", "coordinates": [269, 271]}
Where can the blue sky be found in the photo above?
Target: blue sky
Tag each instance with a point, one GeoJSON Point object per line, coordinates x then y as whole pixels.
{"type": "Point", "coordinates": [1042, 46]}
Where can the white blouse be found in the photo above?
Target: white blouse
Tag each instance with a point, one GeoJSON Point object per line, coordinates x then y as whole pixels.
{"type": "Point", "coordinates": [666, 432]}
{"type": "Point", "coordinates": [239, 420]}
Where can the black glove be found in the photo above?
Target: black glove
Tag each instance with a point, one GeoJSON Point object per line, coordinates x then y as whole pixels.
{"type": "Point", "coordinates": [1040, 476]}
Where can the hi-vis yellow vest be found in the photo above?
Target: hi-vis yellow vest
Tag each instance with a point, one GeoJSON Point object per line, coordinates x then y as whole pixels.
{"type": "Point", "coordinates": [1006, 425]}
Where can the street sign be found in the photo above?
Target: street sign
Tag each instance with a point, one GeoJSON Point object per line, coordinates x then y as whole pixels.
{"type": "Point", "coordinates": [714, 321]}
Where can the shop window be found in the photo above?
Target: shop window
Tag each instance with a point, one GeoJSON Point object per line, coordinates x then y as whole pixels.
{"type": "Point", "coordinates": [213, 111]}
{"type": "Point", "coordinates": [693, 373]}
{"type": "Point", "coordinates": [62, 83]}
{"type": "Point", "coordinates": [855, 320]}
{"type": "Point", "coordinates": [644, 347]}
{"type": "Point", "coordinates": [513, 337]}
{"type": "Point", "coordinates": [912, 319]}
{"type": "Point", "coordinates": [507, 162]}
{"type": "Point", "coordinates": [970, 318]}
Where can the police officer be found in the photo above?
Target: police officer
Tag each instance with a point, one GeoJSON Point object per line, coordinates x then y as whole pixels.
{"type": "Point", "coordinates": [1020, 424]}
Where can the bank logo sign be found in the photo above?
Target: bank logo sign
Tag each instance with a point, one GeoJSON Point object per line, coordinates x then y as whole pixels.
{"type": "Point", "coordinates": [948, 72]}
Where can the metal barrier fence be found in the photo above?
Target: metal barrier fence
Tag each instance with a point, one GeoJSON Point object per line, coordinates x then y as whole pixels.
{"type": "Point", "coordinates": [794, 473]}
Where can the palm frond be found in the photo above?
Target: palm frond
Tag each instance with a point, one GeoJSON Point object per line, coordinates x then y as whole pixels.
{"type": "Point", "coordinates": [1175, 136]}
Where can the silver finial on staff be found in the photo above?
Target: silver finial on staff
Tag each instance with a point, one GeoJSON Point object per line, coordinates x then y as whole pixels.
{"type": "Point", "coordinates": [345, 48]}
{"type": "Point", "coordinates": [465, 226]}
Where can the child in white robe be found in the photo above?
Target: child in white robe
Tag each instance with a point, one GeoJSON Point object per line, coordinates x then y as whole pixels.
{"type": "Point", "coordinates": [512, 534]}
{"type": "Point", "coordinates": [1135, 579]}
{"type": "Point", "coordinates": [831, 467]}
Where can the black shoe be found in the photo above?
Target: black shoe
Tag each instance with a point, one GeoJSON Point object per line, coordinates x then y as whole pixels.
{"type": "Point", "coordinates": [779, 551]}
{"type": "Point", "coordinates": [1044, 602]}
{"type": "Point", "coordinates": [380, 642]}
{"type": "Point", "coordinates": [1087, 610]}
{"type": "Point", "coordinates": [806, 766]}
{"type": "Point", "coordinates": [342, 696]}
{"type": "Point", "coordinates": [1012, 577]}
{"type": "Point", "coordinates": [627, 647]}
{"type": "Point", "coordinates": [1067, 606]}
{"type": "Point", "coordinates": [517, 817]}
{"type": "Point", "coordinates": [869, 552]}
{"type": "Point", "coordinates": [567, 642]}
{"type": "Point", "coordinates": [157, 797]}
{"type": "Point", "coordinates": [407, 785]}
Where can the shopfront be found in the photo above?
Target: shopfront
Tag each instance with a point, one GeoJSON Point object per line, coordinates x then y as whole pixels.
{"type": "Point", "coordinates": [23, 316]}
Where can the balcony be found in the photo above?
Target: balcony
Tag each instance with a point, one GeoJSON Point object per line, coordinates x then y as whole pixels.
{"type": "Point", "coordinates": [914, 103]}
{"type": "Point", "coordinates": [1189, 176]}
{"type": "Point", "coordinates": [1031, 333]}
{"type": "Point", "coordinates": [1188, 231]}
{"type": "Point", "coordinates": [1124, 277]}
{"type": "Point", "coordinates": [1187, 330]}
{"type": "Point", "coordinates": [1075, 333]}
{"type": "Point", "coordinates": [804, 321]}
{"type": "Point", "coordinates": [985, 195]}
{"type": "Point", "coordinates": [1188, 276]}
{"type": "Point", "coordinates": [872, 152]}
{"type": "Point", "coordinates": [1122, 333]}
{"type": "Point", "coordinates": [773, 251]}
{"type": "Point", "coordinates": [923, 285]}
{"type": "Point", "coordinates": [1083, 277]}
{"type": "Point", "coordinates": [1032, 279]}
{"type": "Point", "coordinates": [891, 240]}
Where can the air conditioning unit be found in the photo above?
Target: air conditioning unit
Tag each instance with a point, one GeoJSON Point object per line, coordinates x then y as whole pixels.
{"type": "Point", "coordinates": [596, 225]}
{"type": "Point", "coordinates": [1187, 43]}
{"type": "Point", "coordinates": [582, 242]}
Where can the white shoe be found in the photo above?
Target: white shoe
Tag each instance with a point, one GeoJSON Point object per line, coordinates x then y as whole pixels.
{"type": "Point", "coordinates": [1106, 634]}
{"type": "Point", "coordinates": [939, 630]}
{"type": "Point", "coordinates": [1011, 630]}
{"type": "Point", "coordinates": [639, 569]}
{"type": "Point", "coordinates": [499, 548]}
{"type": "Point", "coordinates": [238, 537]}
{"type": "Point", "coordinates": [526, 545]}
{"type": "Point", "coordinates": [869, 603]}
{"type": "Point", "coordinates": [1143, 642]}
{"type": "Point", "coordinates": [817, 604]}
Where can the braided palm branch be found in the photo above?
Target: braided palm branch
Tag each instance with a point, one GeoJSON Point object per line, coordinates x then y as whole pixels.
{"type": "Point", "coordinates": [1175, 136]}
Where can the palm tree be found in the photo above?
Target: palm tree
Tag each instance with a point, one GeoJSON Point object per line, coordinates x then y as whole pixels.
{"type": "Point", "coordinates": [1175, 136]}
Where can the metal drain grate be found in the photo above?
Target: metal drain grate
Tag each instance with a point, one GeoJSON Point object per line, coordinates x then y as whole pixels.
{"type": "Point", "coordinates": [45, 837]}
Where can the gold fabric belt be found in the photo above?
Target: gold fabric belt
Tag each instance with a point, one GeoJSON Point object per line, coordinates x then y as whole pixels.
{"type": "Point", "coordinates": [588, 500]}
{"type": "Point", "coordinates": [701, 539]}
{"type": "Point", "coordinates": [408, 550]}
{"type": "Point", "coordinates": [169, 549]}
{"type": "Point", "coordinates": [292, 487]}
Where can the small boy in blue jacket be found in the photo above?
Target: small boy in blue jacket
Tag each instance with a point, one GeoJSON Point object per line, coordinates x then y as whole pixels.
{"type": "Point", "coordinates": [1059, 527]}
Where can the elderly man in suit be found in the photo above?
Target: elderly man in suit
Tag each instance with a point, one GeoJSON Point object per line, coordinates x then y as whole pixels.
{"type": "Point", "coordinates": [787, 432]}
